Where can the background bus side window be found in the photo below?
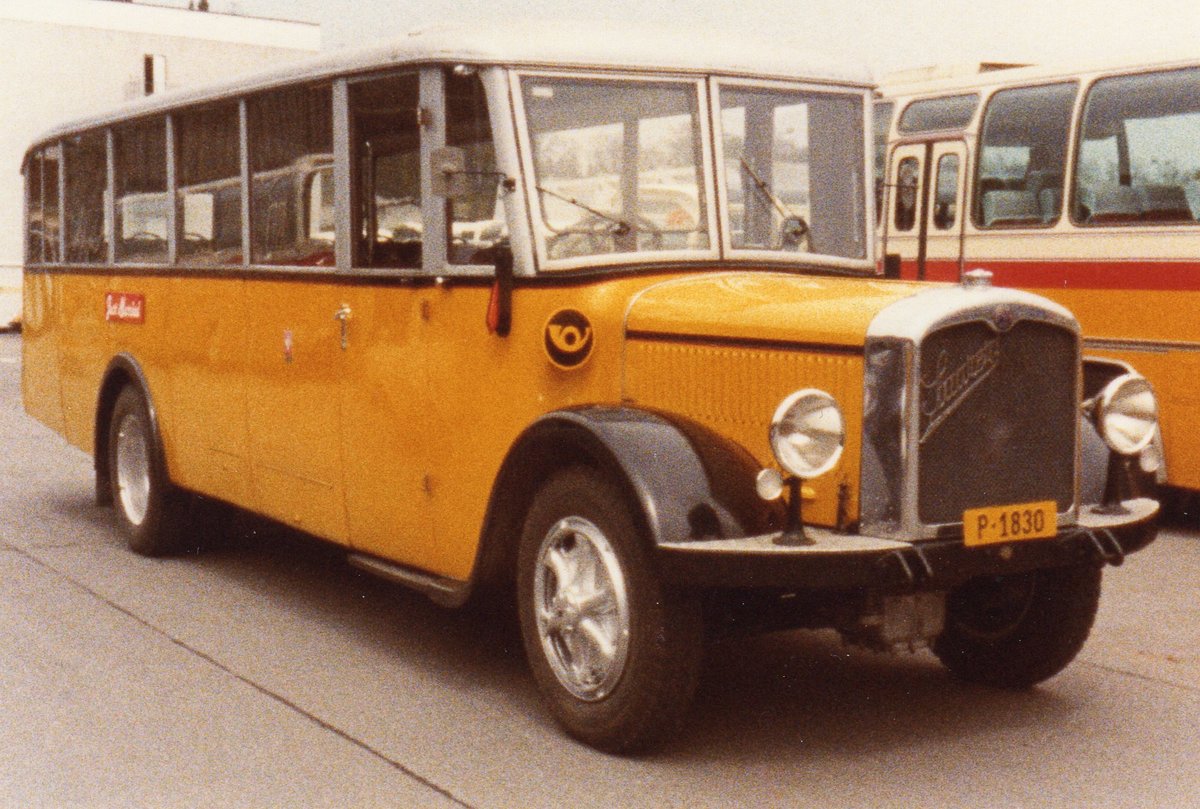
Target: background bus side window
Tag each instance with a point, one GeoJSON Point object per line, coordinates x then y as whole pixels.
{"type": "Point", "coordinates": [291, 187]}
{"type": "Point", "coordinates": [945, 203]}
{"type": "Point", "coordinates": [1022, 154]}
{"type": "Point", "coordinates": [141, 193]}
{"type": "Point", "coordinates": [86, 183]}
{"type": "Point", "coordinates": [386, 155]}
{"type": "Point", "coordinates": [1137, 160]}
{"type": "Point", "coordinates": [906, 193]}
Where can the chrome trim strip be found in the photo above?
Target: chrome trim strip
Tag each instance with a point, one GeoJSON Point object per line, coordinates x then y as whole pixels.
{"type": "Point", "coordinates": [1144, 346]}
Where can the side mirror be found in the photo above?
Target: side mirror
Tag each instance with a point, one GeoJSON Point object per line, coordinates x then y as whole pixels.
{"type": "Point", "coordinates": [449, 173]}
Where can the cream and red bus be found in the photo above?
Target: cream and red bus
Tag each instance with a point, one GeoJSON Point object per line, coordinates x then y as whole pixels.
{"type": "Point", "coordinates": [1080, 183]}
{"type": "Point", "coordinates": [591, 320]}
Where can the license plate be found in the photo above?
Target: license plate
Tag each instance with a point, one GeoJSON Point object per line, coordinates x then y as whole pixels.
{"type": "Point", "coordinates": [983, 526]}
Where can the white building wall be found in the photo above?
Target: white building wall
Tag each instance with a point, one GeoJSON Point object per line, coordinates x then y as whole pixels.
{"type": "Point", "coordinates": [61, 59]}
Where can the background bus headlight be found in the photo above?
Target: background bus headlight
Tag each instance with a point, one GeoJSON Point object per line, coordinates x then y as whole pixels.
{"type": "Point", "coordinates": [807, 433]}
{"type": "Point", "coordinates": [1127, 414]}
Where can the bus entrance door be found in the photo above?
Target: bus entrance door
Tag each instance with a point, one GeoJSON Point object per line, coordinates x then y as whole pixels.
{"type": "Point", "coordinates": [924, 224]}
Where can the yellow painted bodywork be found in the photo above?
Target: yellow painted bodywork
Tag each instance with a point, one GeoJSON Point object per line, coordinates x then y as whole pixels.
{"type": "Point", "coordinates": [390, 440]}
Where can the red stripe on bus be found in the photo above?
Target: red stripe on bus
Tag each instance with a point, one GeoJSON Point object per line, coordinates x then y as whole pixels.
{"type": "Point", "coordinates": [1126, 274]}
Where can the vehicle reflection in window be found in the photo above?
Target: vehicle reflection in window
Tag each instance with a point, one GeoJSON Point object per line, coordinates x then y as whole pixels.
{"type": "Point", "coordinates": [210, 186]}
{"type": "Point", "coordinates": [291, 144]}
{"type": "Point", "coordinates": [782, 196]}
{"type": "Point", "coordinates": [617, 165]}
{"type": "Point", "coordinates": [387, 152]}
{"type": "Point", "coordinates": [141, 201]}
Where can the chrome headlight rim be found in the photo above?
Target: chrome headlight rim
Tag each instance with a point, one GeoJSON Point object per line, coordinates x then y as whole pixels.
{"type": "Point", "coordinates": [814, 414]}
{"type": "Point", "coordinates": [1126, 414]}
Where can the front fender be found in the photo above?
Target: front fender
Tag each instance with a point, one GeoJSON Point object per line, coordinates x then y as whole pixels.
{"type": "Point", "coordinates": [684, 481]}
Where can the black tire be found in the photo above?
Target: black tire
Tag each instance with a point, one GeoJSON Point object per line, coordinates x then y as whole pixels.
{"type": "Point", "coordinates": [638, 698]}
{"type": "Point", "coordinates": [151, 513]}
{"type": "Point", "coordinates": [1017, 631]}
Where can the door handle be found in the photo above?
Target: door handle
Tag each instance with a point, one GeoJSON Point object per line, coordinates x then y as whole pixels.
{"type": "Point", "coordinates": [342, 316]}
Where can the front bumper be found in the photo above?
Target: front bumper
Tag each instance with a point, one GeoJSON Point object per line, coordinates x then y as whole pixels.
{"type": "Point", "coordinates": [839, 562]}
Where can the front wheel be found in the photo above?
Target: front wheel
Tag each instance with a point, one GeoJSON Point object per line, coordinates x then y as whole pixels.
{"type": "Point", "coordinates": [151, 513]}
{"type": "Point", "coordinates": [1016, 631]}
{"type": "Point", "coordinates": [615, 653]}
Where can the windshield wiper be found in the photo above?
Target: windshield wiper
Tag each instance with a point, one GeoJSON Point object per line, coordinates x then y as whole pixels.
{"type": "Point", "coordinates": [620, 226]}
{"type": "Point", "coordinates": [793, 231]}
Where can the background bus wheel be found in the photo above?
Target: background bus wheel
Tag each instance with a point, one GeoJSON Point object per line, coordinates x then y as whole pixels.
{"type": "Point", "coordinates": [1016, 631]}
{"type": "Point", "coordinates": [615, 654]}
{"type": "Point", "coordinates": [150, 513]}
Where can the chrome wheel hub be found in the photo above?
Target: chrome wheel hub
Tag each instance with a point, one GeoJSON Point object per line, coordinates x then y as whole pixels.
{"type": "Point", "coordinates": [582, 608]}
{"type": "Point", "coordinates": [133, 469]}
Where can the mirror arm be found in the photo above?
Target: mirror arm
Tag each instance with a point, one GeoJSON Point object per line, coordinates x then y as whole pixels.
{"type": "Point", "coordinates": [499, 314]}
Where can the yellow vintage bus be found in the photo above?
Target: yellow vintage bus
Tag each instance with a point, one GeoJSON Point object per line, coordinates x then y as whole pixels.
{"type": "Point", "coordinates": [588, 320]}
{"type": "Point", "coordinates": [1080, 183]}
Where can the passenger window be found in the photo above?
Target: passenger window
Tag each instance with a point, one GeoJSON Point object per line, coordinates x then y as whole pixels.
{"type": "Point", "coordinates": [932, 114]}
{"type": "Point", "coordinates": [42, 195]}
{"type": "Point", "coordinates": [291, 171]}
{"type": "Point", "coordinates": [1022, 154]}
{"type": "Point", "coordinates": [907, 176]}
{"type": "Point", "coordinates": [86, 184]}
{"type": "Point", "coordinates": [210, 186]}
{"type": "Point", "coordinates": [1137, 161]}
{"type": "Point", "coordinates": [477, 220]}
{"type": "Point", "coordinates": [387, 176]}
{"type": "Point", "coordinates": [945, 200]}
{"type": "Point", "coordinates": [141, 191]}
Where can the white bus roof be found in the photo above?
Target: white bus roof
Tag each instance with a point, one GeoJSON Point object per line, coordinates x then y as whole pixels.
{"type": "Point", "coordinates": [913, 82]}
{"type": "Point", "coordinates": [579, 45]}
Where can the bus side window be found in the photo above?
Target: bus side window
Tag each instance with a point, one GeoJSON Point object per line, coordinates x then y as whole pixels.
{"type": "Point", "coordinates": [141, 201]}
{"type": "Point", "coordinates": [210, 186]}
{"type": "Point", "coordinates": [945, 203]}
{"type": "Point", "coordinates": [291, 169]}
{"type": "Point", "coordinates": [907, 174]}
{"type": "Point", "coordinates": [42, 197]}
{"type": "Point", "coordinates": [477, 218]}
{"type": "Point", "coordinates": [86, 182]}
{"type": "Point", "coordinates": [386, 155]}
{"type": "Point", "coordinates": [1022, 155]}
{"type": "Point", "coordinates": [1137, 159]}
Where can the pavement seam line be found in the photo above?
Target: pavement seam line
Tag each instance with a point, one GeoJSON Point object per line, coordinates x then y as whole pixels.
{"type": "Point", "coordinates": [1139, 676]}
{"type": "Point", "coordinates": [279, 698]}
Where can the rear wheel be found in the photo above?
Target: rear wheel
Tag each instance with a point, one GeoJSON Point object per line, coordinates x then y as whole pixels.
{"type": "Point", "coordinates": [614, 652]}
{"type": "Point", "coordinates": [150, 512]}
{"type": "Point", "coordinates": [1016, 631]}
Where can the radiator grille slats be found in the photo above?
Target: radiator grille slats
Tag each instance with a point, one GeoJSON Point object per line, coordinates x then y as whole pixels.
{"type": "Point", "coordinates": [997, 418]}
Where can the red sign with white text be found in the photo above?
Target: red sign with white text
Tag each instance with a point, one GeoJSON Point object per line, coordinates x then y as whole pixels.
{"type": "Point", "coordinates": [124, 307]}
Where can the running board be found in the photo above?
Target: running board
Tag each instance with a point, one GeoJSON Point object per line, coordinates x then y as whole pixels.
{"type": "Point", "coordinates": [446, 592]}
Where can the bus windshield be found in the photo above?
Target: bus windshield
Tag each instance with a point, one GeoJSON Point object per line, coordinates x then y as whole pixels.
{"type": "Point", "coordinates": [620, 167]}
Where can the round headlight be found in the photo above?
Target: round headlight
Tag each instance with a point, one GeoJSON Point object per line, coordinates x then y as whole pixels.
{"type": "Point", "coordinates": [1127, 414]}
{"type": "Point", "coordinates": [807, 433]}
